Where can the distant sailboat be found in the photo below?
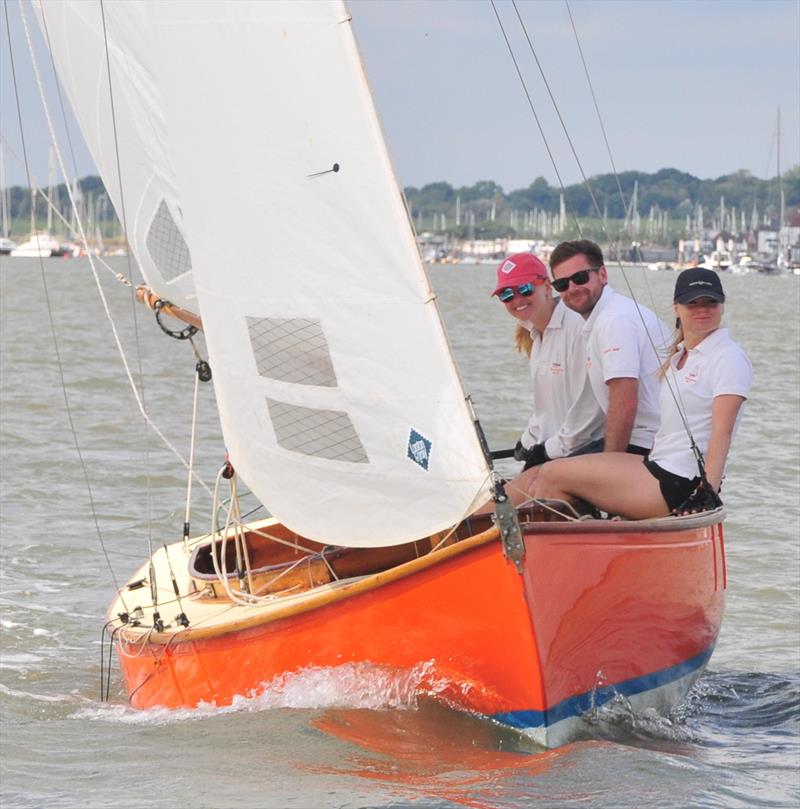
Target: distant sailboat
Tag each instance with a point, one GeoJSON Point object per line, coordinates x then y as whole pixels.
{"type": "Point", "coordinates": [40, 244]}
{"type": "Point", "coordinates": [775, 261]}
{"type": "Point", "coordinates": [341, 406]}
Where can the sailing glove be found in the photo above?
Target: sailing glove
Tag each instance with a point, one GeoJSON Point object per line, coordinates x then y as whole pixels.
{"type": "Point", "coordinates": [535, 456]}
{"type": "Point", "coordinates": [703, 498]}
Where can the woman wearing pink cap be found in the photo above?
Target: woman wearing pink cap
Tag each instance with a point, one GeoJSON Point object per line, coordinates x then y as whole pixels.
{"type": "Point", "coordinates": [551, 335]}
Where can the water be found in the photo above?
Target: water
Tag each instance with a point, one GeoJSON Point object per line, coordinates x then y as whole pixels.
{"type": "Point", "coordinates": [357, 737]}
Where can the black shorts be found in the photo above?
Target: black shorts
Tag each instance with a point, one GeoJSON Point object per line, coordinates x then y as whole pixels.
{"type": "Point", "coordinates": [674, 488]}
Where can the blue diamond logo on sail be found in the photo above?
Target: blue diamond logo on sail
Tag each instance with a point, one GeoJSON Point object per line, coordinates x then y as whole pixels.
{"type": "Point", "coordinates": [419, 449]}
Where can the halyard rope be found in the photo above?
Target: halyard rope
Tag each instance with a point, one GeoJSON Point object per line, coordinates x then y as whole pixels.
{"type": "Point", "coordinates": [84, 241]}
{"type": "Point", "coordinates": [59, 363]}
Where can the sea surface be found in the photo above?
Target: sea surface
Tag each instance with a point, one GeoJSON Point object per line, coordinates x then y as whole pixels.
{"type": "Point", "coordinates": [71, 523]}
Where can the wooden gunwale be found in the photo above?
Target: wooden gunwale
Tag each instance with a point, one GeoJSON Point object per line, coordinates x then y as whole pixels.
{"type": "Point", "coordinates": [252, 616]}
{"type": "Point", "coordinates": [314, 599]}
{"type": "Point", "coordinates": [671, 524]}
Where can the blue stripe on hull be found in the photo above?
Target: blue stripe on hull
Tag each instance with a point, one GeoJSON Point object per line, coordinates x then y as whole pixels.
{"type": "Point", "coordinates": [578, 705]}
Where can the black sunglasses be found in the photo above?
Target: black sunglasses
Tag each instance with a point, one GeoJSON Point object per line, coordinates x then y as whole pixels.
{"type": "Point", "coordinates": [508, 293]}
{"type": "Point", "coordinates": [578, 278]}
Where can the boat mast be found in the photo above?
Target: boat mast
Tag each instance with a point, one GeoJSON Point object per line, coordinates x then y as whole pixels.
{"type": "Point", "coordinates": [33, 206]}
{"type": "Point", "coordinates": [51, 174]}
{"type": "Point", "coordinates": [3, 191]}
{"type": "Point", "coordinates": [781, 195]}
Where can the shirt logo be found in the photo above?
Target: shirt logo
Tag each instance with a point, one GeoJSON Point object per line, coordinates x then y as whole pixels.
{"type": "Point", "coordinates": [691, 377]}
{"type": "Point", "coordinates": [556, 368]}
{"type": "Point", "coordinates": [419, 449]}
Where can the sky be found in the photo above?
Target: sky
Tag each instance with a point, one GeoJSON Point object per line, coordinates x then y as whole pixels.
{"type": "Point", "coordinates": [687, 84]}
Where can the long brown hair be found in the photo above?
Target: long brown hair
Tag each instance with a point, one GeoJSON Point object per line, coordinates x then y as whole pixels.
{"type": "Point", "coordinates": [523, 340]}
{"type": "Point", "coordinates": [677, 339]}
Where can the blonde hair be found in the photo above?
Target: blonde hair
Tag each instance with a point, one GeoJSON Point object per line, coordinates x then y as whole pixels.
{"type": "Point", "coordinates": [523, 340]}
{"type": "Point", "coordinates": [677, 339]}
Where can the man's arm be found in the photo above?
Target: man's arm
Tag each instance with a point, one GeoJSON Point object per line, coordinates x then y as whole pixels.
{"type": "Point", "coordinates": [623, 399]}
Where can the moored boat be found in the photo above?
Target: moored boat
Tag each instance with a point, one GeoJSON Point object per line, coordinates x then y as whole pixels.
{"type": "Point", "coordinates": [41, 245]}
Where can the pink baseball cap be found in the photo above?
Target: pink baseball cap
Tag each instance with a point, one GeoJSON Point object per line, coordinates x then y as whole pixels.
{"type": "Point", "coordinates": [519, 268]}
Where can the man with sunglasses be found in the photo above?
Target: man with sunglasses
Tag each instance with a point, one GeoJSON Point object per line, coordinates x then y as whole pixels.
{"type": "Point", "coordinates": [551, 335]}
{"type": "Point", "coordinates": [625, 342]}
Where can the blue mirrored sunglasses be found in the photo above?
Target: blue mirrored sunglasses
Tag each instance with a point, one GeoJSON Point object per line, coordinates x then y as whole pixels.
{"type": "Point", "coordinates": [508, 293]}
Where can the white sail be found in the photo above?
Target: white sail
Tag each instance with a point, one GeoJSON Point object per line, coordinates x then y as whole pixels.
{"type": "Point", "coordinates": [339, 401]}
{"type": "Point", "coordinates": [142, 184]}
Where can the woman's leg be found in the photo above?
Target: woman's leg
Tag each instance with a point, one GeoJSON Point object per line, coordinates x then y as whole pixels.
{"type": "Point", "coordinates": [616, 482]}
{"type": "Point", "coordinates": [519, 488]}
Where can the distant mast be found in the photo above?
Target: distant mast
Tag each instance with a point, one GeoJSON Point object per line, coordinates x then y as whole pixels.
{"type": "Point", "coordinates": [4, 199]}
{"type": "Point", "coordinates": [51, 183]}
{"type": "Point", "coordinates": [782, 197]}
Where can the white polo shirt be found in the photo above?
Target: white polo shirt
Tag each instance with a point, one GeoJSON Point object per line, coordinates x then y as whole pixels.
{"type": "Point", "coordinates": [715, 367]}
{"type": "Point", "coordinates": [620, 339]}
{"type": "Point", "coordinates": [559, 387]}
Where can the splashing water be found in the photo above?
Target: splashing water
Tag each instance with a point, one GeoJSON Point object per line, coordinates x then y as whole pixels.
{"type": "Point", "coordinates": [352, 685]}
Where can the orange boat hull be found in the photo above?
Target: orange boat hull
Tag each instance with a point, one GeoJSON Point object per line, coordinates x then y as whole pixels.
{"type": "Point", "coordinates": [591, 615]}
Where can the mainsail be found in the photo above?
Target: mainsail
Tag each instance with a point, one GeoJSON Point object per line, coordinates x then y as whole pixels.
{"type": "Point", "coordinates": [339, 401]}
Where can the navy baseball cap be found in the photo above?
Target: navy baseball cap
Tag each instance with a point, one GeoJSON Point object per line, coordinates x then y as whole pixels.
{"type": "Point", "coordinates": [698, 282]}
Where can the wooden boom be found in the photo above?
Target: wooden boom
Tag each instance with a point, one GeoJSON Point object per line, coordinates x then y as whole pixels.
{"type": "Point", "coordinates": [149, 298]}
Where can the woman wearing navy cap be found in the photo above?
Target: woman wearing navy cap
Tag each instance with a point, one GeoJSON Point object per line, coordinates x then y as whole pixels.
{"type": "Point", "coordinates": [706, 379]}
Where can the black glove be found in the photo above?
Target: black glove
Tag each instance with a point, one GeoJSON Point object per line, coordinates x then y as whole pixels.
{"type": "Point", "coordinates": [534, 456]}
{"type": "Point", "coordinates": [703, 498]}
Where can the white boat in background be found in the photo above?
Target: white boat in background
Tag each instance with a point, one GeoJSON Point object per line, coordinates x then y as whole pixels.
{"type": "Point", "coordinates": [717, 260]}
{"type": "Point", "coordinates": [742, 265]}
{"type": "Point", "coordinates": [40, 245]}
{"type": "Point", "coordinates": [6, 245]}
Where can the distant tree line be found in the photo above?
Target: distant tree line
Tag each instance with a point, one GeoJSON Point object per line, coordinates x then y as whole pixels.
{"type": "Point", "coordinates": [484, 210]}
{"type": "Point", "coordinates": [91, 197]}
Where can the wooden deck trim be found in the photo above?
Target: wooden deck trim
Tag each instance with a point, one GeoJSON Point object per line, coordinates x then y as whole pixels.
{"type": "Point", "coordinates": [249, 617]}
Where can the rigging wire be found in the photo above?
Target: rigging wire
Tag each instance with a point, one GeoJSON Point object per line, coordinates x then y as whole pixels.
{"type": "Point", "coordinates": [615, 244]}
{"type": "Point", "coordinates": [84, 242]}
{"type": "Point", "coordinates": [118, 275]}
{"type": "Point", "coordinates": [674, 392]}
{"type": "Point", "coordinates": [60, 96]}
{"type": "Point", "coordinates": [671, 384]}
{"type": "Point", "coordinates": [596, 105]}
{"type": "Point", "coordinates": [51, 320]}
{"type": "Point", "coordinates": [137, 340]}
{"type": "Point", "coordinates": [586, 183]}
{"type": "Point", "coordinates": [533, 111]}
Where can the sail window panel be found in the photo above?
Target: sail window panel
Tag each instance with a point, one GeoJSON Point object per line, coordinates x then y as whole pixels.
{"type": "Point", "coordinates": [166, 245]}
{"type": "Point", "coordinates": [292, 350]}
{"type": "Point", "coordinates": [321, 433]}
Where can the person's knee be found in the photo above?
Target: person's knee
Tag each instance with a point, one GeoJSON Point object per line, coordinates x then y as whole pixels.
{"type": "Point", "coordinates": [550, 474]}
